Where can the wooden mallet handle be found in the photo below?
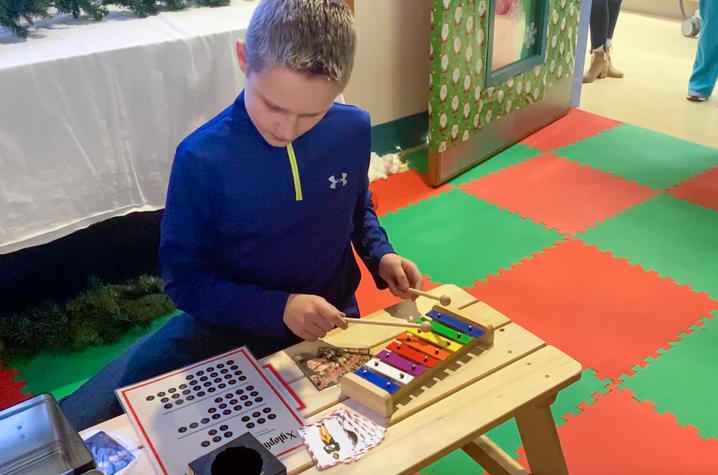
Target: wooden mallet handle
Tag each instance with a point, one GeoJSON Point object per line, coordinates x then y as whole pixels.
{"type": "Point", "coordinates": [443, 300]}
{"type": "Point", "coordinates": [424, 326]}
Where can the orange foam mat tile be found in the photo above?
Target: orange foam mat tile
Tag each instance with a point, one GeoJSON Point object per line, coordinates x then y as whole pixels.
{"type": "Point", "coordinates": [561, 194]}
{"type": "Point", "coordinates": [574, 126]}
{"type": "Point", "coordinates": [620, 435]}
{"type": "Point", "coordinates": [371, 299]}
{"type": "Point", "coordinates": [603, 311]}
{"type": "Point", "coordinates": [702, 189]}
{"type": "Point", "coordinates": [401, 190]}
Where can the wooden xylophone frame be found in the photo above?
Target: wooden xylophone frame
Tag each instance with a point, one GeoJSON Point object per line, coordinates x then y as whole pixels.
{"type": "Point", "coordinates": [383, 402]}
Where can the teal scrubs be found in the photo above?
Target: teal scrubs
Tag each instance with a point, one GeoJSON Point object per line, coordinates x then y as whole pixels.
{"type": "Point", "coordinates": [705, 68]}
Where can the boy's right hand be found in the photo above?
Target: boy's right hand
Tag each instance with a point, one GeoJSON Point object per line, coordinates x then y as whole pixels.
{"type": "Point", "coordinates": [311, 317]}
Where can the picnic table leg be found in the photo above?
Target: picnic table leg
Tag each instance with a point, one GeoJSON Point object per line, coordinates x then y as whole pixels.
{"type": "Point", "coordinates": [492, 458]}
{"type": "Point", "coordinates": [540, 438]}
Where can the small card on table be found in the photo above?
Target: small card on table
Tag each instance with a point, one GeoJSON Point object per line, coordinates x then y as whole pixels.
{"type": "Point", "coordinates": [342, 436]}
{"type": "Point", "coordinates": [110, 457]}
{"type": "Point", "coordinates": [325, 368]}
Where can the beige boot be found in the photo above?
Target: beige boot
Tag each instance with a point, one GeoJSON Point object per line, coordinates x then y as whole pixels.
{"type": "Point", "coordinates": [599, 66]}
{"type": "Point", "coordinates": [612, 71]}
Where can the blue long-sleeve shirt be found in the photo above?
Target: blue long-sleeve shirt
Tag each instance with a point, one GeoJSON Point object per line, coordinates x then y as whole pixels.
{"type": "Point", "coordinates": [235, 241]}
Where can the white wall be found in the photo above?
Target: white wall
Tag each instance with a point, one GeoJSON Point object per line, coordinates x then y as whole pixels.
{"type": "Point", "coordinates": [391, 69]}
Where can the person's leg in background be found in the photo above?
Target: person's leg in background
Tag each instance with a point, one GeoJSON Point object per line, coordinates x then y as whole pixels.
{"type": "Point", "coordinates": [705, 67]}
{"type": "Point", "coordinates": [614, 7]}
{"type": "Point", "coordinates": [599, 34]}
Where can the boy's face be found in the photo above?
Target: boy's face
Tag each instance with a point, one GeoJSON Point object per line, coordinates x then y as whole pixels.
{"type": "Point", "coordinates": [284, 104]}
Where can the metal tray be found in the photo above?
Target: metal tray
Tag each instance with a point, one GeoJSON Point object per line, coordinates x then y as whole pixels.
{"type": "Point", "coordinates": [36, 439]}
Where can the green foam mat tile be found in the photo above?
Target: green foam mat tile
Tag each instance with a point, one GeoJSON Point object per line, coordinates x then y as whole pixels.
{"type": "Point", "coordinates": [511, 156]}
{"type": "Point", "coordinates": [675, 238]}
{"type": "Point", "coordinates": [579, 392]}
{"type": "Point", "coordinates": [454, 463]}
{"type": "Point", "coordinates": [418, 160]}
{"type": "Point", "coordinates": [455, 237]}
{"type": "Point", "coordinates": [638, 154]}
{"type": "Point", "coordinates": [63, 374]}
{"type": "Point", "coordinates": [505, 436]}
{"type": "Point", "coordinates": [683, 380]}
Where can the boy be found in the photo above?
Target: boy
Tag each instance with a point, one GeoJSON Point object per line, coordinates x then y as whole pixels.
{"type": "Point", "coordinates": [263, 205]}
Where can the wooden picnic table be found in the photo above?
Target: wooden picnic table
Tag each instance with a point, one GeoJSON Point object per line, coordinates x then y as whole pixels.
{"type": "Point", "coordinates": [519, 377]}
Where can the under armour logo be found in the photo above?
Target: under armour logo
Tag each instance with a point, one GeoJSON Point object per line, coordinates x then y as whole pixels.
{"type": "Point", "coordinates": [334, 181]}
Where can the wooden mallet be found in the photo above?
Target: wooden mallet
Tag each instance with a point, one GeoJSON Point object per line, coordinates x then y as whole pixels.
{"type": "Point", "coordinates": [443, 300]}
{"type": "Point", "coordinates": [424, 326]}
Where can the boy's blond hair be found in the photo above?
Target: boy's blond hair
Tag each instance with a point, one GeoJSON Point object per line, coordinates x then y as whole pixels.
{"type": "Point", "coordinates": [312, 36]}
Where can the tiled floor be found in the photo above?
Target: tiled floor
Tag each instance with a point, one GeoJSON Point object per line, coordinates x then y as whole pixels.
{"type": "Point", "coordinates": [657, 60]}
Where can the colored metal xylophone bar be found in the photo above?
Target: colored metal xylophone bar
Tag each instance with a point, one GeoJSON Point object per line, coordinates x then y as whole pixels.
{"type": "Point", "coordinates": [414, 356]}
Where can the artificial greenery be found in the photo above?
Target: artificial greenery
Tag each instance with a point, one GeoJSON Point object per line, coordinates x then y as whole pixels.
{"type": "Point", "coordinates": [13, 12]}
{"type": "Point", "coordinates": [99, 316]}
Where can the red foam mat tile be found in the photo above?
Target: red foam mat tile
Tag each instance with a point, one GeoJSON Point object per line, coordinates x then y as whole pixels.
{"type": "Point", "coordinates": [10, 391]}
{"type": "Point", "coordinates": [620, 435]}
{"type": "Point", "coordinates": [401, 190]}
{"type": "Point", "coordinates": [561, 194]}
{"type": "Point", "coordinates": [603, 311]}
{"type": "Point", "coordinates": [702, 189]}
{"type": "Point", "coordinates": [576, 125]}
{"type": "Point", "coordinates": [371, 299]}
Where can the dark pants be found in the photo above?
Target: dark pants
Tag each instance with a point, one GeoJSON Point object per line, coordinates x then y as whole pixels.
{"type": "Point", "coordinates": [182, 341]}
{"type": "Point", "coordinates": [604, 15]}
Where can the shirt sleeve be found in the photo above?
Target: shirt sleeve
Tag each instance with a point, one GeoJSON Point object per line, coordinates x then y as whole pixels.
{"type": "Point", "coordinates": [186, 256]}
{"type": "Point", "coordinates": [370, 239]}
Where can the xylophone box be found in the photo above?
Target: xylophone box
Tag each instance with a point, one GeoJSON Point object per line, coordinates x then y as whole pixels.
{"type": "Point", "coordinates": [415, 356]}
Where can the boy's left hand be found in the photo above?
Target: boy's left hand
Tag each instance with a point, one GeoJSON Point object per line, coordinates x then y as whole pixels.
{"type": "Point", "coordinates": [400, 274]}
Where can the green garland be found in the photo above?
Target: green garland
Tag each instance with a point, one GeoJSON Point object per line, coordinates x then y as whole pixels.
{"type": "Point", "coordinates": [99, 316]}
{"type": "Point", "coordinates": [13, 11]}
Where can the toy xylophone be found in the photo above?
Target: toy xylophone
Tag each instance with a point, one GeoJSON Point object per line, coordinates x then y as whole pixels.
{"type": "Point", "coordinates": [413, 357]}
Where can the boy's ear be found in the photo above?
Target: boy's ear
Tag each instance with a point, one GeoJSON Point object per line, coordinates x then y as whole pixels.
{"type": "Point", "coordinates": [242, 55]}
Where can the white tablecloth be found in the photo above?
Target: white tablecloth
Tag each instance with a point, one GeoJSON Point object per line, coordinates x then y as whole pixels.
{"type": "Point", "coordinates": [91, 113]}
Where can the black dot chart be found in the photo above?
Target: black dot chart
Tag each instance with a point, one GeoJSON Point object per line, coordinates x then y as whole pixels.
{"type": "Point", "coordinates": [196, 409]}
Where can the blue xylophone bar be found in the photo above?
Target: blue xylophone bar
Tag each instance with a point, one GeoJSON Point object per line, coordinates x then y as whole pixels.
{"type": "Point", "coordinates": [378, 380]}
{"type": "Point", "coordinates": [455, 323]}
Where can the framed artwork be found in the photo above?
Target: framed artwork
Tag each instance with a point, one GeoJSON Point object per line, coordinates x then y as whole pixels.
{"type": "Point", "coordinates": [517, 29]}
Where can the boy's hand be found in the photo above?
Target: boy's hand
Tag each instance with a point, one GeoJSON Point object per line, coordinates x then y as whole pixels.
{"type": "Point", "coordinates": [310, 316]}
{"type": "Point", "coordinates": [400, 274]}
